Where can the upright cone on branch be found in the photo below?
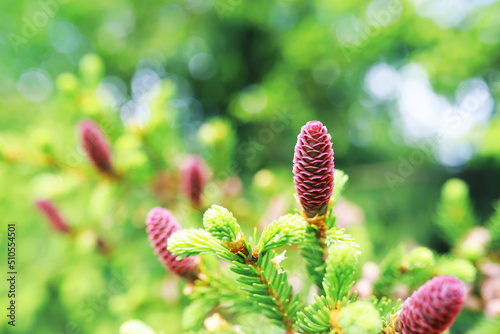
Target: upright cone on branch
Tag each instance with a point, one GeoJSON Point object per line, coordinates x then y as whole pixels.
{"type": "Point", "coordinates": [53, 216]}
{"type": "Point", "coordinates": [96, 146]}
{"type": "Point", "coordinates": [313, 168]}
{"type": "Point", "coordinates": [194, 176]}
{"type": "Point", "coordinates": [160, 225]}
{"type": "Point", "coordinates": [433, 307]}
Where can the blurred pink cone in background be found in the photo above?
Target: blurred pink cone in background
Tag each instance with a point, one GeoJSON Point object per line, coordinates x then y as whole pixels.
{"type": "Point", "coordinates": [194, 176]}
{"type": "Point", "coordinates": [52, 215]}
{"type": "Point", "coordinates": [96, 145]}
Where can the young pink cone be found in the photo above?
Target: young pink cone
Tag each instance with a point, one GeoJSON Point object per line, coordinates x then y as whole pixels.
{"type": "Point", "coordinates": [313, 168]}
{"type": "Point", "coordinates": [433, 307]}
{"type": "Point", "coordinates": [52, 215]}
{"type": "Point", "coordinates": [96, 145]}
{"type": "Point", "coordinates": [194, 176]}
{"type": "Point", "coordinates": [160, 225]}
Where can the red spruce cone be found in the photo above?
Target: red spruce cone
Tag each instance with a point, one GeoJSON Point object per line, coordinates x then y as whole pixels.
{"type": "Point", "coordinates": [53, 216]}
{"type": "Point", "coordinates": [313, 168]}
{"type": "Point", "coordinates": [194, 176]}
{"type": "Point", "coordinates": [433, 307]}
{"type": "Point", "coordinates": [96, 145]}
{"type": "Point", "coordinates": [161, 224]}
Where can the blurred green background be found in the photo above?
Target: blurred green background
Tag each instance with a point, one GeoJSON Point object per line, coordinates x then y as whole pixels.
{"type": "Point", "coordinates": [407, 89]}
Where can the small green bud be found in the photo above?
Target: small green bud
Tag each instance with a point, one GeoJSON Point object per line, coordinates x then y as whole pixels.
{"type": "Point", "coordinates": [221, 223]}
{"type": "Point", "coordinates": [360, 317]}
{"type": "Point", "coordinates": [455, 190]}
{"type": "Point", "coordinates": [420, 258]}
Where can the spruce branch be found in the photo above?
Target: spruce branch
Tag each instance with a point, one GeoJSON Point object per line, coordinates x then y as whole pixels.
{"type": "Point", "coordinates": [360, 317]}
{"type": "Point", "coordinates": [337, 236]}
{"type": "Point", "coordinates": [213, 291]}
{"type": "Point", "coordinates": [314, 251]}
{"type": "Point", "coordinates": [269, 290]}
{"type": "Point", "coordinates": [390, 272]}
{"type": "Point", "coordinates": [315, 318]}
{"type": "Point", "coordinates": [387, 309]}
{"type": "Point", "coordinates": [192, 242]}
{"type": "Point", "coordinates": [286, 230]}
{"type": "Point", "coordinates": [263, 281]}
{"type": "Point", "coordinates": [221, 223]}
{"type": "Point", "coordinates": [341, 266]}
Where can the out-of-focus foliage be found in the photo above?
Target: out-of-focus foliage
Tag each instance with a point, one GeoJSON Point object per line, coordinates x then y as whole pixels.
{"type": "Point", "coordinates": [408, 90]}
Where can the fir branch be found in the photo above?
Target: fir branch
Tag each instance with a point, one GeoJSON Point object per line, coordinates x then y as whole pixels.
{"type": "Point", "coordinates": [212, 292]}
{"type": "Point", "coordinates": [360, 317]}
{"type": "Point", "coordinates": [321, 234]}
{"type": "Point", "coordinates": [387, 309]}
{"type": "Point", "coordinates": [314, 251]}
{"type": "Point", "coordinates": [286, 230]}
{"type": "Point", "coordinates": [195, 313]}
{"type": "Point", "coordinates": [191, 242]}
{"type": "Point", "coordinates": [337, 236]}
{"type": "Point", "coordinates": [269, 290]}
{"type": "Point", "coordinates": [220, 223]}
{"type": "Point", "coordinates": [390, 271]}
{"type": "Point", "coordinates": [315, 318]}
{"type": "Point", "coordinates": [214, 289]}
{"type": "Point", "coordinates": [341, 266]}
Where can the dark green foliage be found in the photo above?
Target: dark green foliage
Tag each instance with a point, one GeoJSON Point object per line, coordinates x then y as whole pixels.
{"type": "Point", "coordinates": [390, 271]}
{"type": "Point", "coordinates": [494, 228]}
{"type": "Point", "coordinates": [268, 290]}
{"type": "Point", "coordinates": [314, 252]}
